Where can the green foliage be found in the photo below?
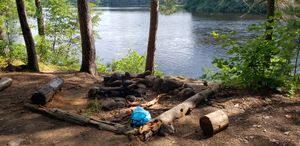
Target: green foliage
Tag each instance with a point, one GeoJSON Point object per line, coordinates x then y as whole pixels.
{"type": "Point", "coordinates": [224, 6]}
{"type": "Point", "coordinates": [94, 106]}
{"type": "Point", "coordinates": [169, 7]}
{"type": "Point", "coordinates": [9, 47]}
{"type": "Point", "coordinates": [133, 62]}
{"type": "Point", "coordinates": [62, 43]}
{"type": "Point", "coordinates": [102, 68]}
{"type": "Point", "coordinates": [259, 63]}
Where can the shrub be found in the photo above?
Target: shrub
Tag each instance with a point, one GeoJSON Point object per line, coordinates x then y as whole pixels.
{"type": "Point", "coordinates": [259, 63]}
{"type": "Point", "coordinates": [133, 62]}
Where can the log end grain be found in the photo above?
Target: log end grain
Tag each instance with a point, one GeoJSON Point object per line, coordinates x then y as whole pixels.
{"type": "Point", "coordinates": [214, 122]}
{"type": "Point", "coordinates": [5, 83]}
{"type": "Point", "coordinates": [38, 99]}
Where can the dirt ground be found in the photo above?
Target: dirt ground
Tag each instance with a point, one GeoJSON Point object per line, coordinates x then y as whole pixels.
{"type": "Point", "coordinates": [254, 120]}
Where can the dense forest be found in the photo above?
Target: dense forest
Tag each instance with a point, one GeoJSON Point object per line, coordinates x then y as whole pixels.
{"type": "Point", "coordinates": [226, 6]}
{"type": "Point", "coordinates": [56, 90]}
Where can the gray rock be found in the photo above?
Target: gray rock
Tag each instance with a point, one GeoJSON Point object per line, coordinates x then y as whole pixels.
{"type": "Point", "coordinates": [149, 80]}
{"type": "Point", "coordinates": [140, 92]}
{"type": "Point", "coordinates": [128, 82]}
{"type": "Point", "coordinates": [116, 83]}
{"type": "Point", "coordinates": [186, 93]}
{"type": "Point", "coordinates": [169, 84]}
{"type": "Point", "coordinates": [93, 92]}
{"type": "Point", "coordinates": [174, 92]}
{"type": "Point", "coordinates": [157, 83]}
{"type": "Point", "coordinates": [131, 98]}
{"type": "Point", "coordinates": [112, 103]}
{"type": "Point", "coordinates": [140, 85]}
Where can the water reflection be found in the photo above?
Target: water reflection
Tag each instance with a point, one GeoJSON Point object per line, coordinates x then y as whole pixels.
{"type": "Point", "coordinates": [184, 43]}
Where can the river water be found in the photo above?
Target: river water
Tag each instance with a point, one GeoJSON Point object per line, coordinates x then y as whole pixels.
{"type": "Point", "coordinates": [184, 44]}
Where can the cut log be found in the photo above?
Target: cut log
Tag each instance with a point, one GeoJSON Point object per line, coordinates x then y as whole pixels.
{"type": "Point", "coordinates": [214, 122]}
{"type": "Point", "coordinates": [176, 112]}
{"type": "Point", "coordinates": [4, 83]}
{"type": "Point", "coordinates": [46, 92]}
{"type": "Point", "coordinates": [82, 120]}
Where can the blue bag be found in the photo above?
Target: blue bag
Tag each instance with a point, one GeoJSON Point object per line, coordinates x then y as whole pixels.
{"type": "Point", "coordinates": [139, 117]}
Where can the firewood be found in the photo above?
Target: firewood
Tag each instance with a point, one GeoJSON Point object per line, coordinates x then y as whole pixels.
{"type": "Point", "coordinates": [176, 112]}
{"type": "Point", "coordinates": [82, 120]}
{"type": "Point", "coordinates": [147, 104]}
{"type": "Point", "coordinates": [214, 122]}
{"type": "Point", "coordinates": [5, 83]}
{"type": "Point", "coordinates": [46, 92]}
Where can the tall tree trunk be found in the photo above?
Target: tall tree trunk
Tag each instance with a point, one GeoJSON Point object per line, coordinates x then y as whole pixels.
{"type": "Point", "coordinates": [41, 27]}
{"type": "Point", "coordinates": [87, 39]}
{"type": "Point", "coordinates": [1, 34]}
{"type": "Point", "coordinates": [152, 35]}
{"type": "Point", "coordinates": [31, 53]}
{"type": "Point", "coordinates": [40, 18]}
{"type": "Point", "coordinates": [297, 58]}
{"type": "Point", "coordinates": [270, 19]}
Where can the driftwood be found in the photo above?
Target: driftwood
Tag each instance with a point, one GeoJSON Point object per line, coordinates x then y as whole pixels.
{"type": "Point", "coordinates": [4, 83]}
{"type": "Point", "coordinates": [214, 122]}
{"type": "Point", "coordinates": [147, 104]}
{"type": "Point", "coordinates": [46, 92]}
{"type": "Point", "coordinates": [174, 113]}
{"type": "Point", "coordinates": [82, 120]}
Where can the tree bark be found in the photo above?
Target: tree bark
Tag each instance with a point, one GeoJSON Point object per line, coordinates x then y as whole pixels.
{"type": "Point", "coordinates": [152, 36]}
{"type": "Point", "coordinates": [297, 57]}
{"type": "Point", "coordinates": [30, 47]}
{"type": "Point", "coordinates": [46, 92]}
{"type": "Point", "coordinates": [270, 19]}
{"type": "Point", "coordinates": [4, 83]}
{"type": "Point", "coordinates": [1, 34]}
{"type": "Point", "coordinates": [40, 18]}
{"type": "Point", "coordinates": [87, 39]}
{"type": "Point", "coordinates": [214, 122]}
{"type": "Point", "coordinates": [176, 112]}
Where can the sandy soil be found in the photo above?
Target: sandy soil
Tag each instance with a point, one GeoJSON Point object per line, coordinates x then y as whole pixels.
{"type": "Point", "coordinates": [254, 120]}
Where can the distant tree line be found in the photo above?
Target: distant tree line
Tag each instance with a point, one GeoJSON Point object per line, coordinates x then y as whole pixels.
{"type": "Point", "coordinates": [122, 3]}
{"type": "Point", "coordinates": [227, 6]}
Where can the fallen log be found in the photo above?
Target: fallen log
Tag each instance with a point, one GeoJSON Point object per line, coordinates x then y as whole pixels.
{"type": "Point", "coordinates": [82, 120]}
{"type": "Point", "coordinates": [214, 122]}
{"type": "Point", "coordinates": [46, 92]}
{"type": "Point", "coordinates": [151, 128]}
{"type": "Point", "coordinates": [4, 83]}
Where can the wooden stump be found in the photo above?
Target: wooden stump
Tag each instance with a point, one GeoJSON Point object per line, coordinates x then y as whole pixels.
{"type": "Point", "coordinates": [214, 122]}
{"type": "Point", "coordinates": [4, 83]}
{"type": "Point", "coordinates": [46, 92]}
